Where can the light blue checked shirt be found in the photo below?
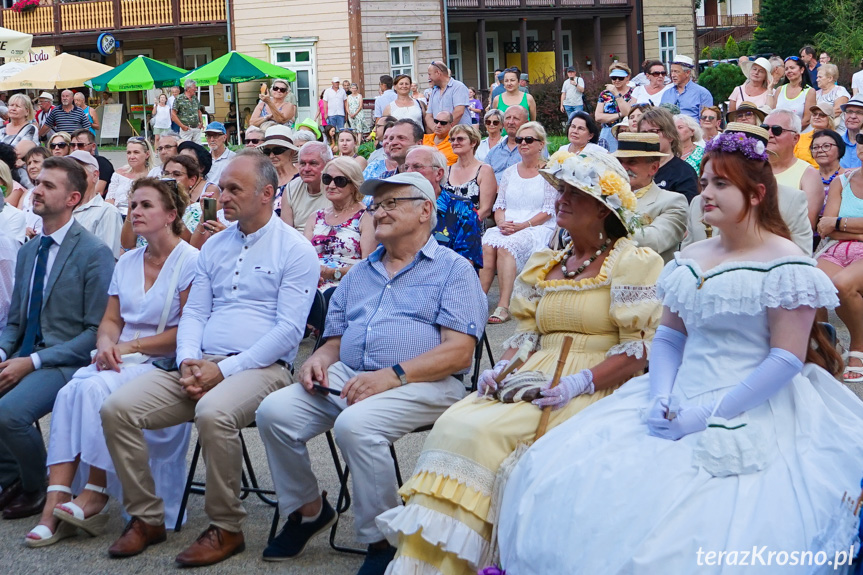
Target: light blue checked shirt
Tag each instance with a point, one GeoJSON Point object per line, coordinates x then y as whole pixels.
{"type": "Point", "coordinates": [384, 321]}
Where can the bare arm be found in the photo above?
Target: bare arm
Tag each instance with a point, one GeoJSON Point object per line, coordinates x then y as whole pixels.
{"type": "Point", "coordinates": [531, 105]}
{"type": "Point", "coordinates": [616, 369]}
{"type": "Point", "coordinates": [94, 120]}
{"type": "Point", "coordinates": [287, 213]}
{"type": "Point", "coordinates": [257, 119]}
{"type": "Point", "coordinates": [811, 185]}
{"type": "Point", "coordinates": [368, 243]}
{"type": "Point", "coordinates": [810, 101]}
{"type": "Point", "coordinates": [282, 117]}
{"type": "Point", "coordinates": [457, 113]}
{"type": "Point", "coordinates": [487, 191]}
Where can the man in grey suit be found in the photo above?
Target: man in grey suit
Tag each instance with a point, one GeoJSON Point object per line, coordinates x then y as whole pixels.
{"type": "Point", "coordinates": [60, 294]}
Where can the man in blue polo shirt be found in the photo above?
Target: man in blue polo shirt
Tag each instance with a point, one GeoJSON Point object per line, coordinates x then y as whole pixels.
{"type": "Point", "coordinates": [686, 94]}
{"type": "Point", "coordinates": [66, 118]}
{"type": "Point", "coordinates": [853, 110]}
{"type": "Point", "coordinates": [448, 95]}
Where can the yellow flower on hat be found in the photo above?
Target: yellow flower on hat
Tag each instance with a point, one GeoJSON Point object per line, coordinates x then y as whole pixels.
{"type": "Point", "coordinates": [611, 183]}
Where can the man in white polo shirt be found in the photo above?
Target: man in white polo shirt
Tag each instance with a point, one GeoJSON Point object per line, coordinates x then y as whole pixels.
{"type": "Point", "coordinates": [217, 139]}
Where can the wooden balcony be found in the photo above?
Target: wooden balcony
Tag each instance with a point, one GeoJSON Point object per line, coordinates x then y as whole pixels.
{"type": "Point", "coordinates": [56, 18]}
{"type": "Point", "coordinates": [726, 21]}
{"type": "Point", "coordinates": [498, 4]}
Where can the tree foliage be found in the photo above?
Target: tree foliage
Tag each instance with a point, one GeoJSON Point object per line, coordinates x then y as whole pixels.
{"type": "Point", "coordinates": [843, 36]}
{"type": "Point", "coordinates": [720, 80]}
{"type": "Point", "coordinates": [785, 26]}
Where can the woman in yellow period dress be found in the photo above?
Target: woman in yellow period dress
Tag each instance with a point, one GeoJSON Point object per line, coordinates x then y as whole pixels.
{"type": "Point", "coordinates": [609, 308]}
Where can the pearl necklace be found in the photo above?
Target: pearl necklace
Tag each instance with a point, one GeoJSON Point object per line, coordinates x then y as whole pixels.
{"type": "Point", "coordinates": [568, 253]}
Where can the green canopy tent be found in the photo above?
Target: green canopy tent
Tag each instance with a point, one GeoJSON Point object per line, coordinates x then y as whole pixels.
{"type": "Point", "coordinates": [140, 73]}
{"type": "Point", "coordinates": [235, 68]}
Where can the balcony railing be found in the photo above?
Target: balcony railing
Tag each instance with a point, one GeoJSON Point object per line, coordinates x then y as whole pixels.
{"type": "Point", "coordinates": [495, 4]}
{"type": "Point", "coordinates": [726, 21]}
{"type": "Point", "coordinates": [98, 15]}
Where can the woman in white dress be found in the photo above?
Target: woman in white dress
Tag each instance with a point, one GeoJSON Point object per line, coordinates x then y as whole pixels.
{"type": "Point", "coordinates": [161, 118]}
{"type": "Point", "coordinates": [731, 441]}
{"type": "Point", "coordinates": [147, 293]}
{"type": "Point", "coordinates": [404, 106]}
{"type": "Point", "coordinates": [139, 158]}
{"type": "Point", "coordinates": [523, 213]}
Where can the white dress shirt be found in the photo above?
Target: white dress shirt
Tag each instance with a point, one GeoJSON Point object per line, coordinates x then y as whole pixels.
{"type": "Point", "coordinates": [219, 164]}
{"type": "Point", "coordinates": [13, 222]}
{"type": "Point", "coordinates": [58, 238]}
{"type": "Point", "coordinates": [8, 256]}
{"type": "Point", "coordinates": [250, 298]}
{"type": "Point", "coordinates": [103, 220]}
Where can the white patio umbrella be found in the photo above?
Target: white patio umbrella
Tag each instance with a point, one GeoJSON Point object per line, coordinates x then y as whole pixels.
{"type": "Point", "coordinates": [12, 68]}
{"type": "Point", "coordinates": [14, 44]}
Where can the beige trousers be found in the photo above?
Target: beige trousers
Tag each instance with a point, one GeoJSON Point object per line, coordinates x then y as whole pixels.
{"type": "Point", "coordinates": [155, 401]}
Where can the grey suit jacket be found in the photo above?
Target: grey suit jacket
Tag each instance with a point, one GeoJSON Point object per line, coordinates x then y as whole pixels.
{"type": "Point", "coordinates": [793, 207]}
{"type": "Point", "coordinates": [74, 300]}
{"type": "Point", "coordinates": [663, 214]}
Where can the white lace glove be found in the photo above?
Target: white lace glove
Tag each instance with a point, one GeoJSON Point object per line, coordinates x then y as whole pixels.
{"type": "Point", "coordinates": [486, 385]}
{"type": "Point", "coordinates": [569, 386]}
{"type": "Point", "coordinates": [688, 420]}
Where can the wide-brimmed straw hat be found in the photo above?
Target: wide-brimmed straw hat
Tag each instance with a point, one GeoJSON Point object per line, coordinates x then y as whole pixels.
{"type": "Point", "coordinates": [756, 132]}
{"type": "Point", "coordinates": [600, 176]}
{"type": "Point", "coordinates": [745, 107]}
{"type": "Point", "coordinates": [280, 136]}
{"type": "Point", "coordinates": [638, 145]}
{"type": "Point", "coordinates": [615, 129]}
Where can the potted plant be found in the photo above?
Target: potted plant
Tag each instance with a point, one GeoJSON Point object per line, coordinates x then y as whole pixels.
{"type": "Point", "coordinates": [25, 6]}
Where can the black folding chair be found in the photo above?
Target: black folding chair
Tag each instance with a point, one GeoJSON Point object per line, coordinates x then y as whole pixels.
{"type": "Point", "coordinates": [317, 315]}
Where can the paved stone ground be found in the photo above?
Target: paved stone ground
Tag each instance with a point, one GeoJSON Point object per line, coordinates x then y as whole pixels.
{"type": "Point", "coordinates": [88, 555]}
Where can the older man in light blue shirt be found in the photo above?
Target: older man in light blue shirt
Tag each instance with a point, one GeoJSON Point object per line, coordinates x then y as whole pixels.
{"type": "Point", "coordinates": [401, 330]}
{"type": "Point", "coordinates": [853, 110]}
{"type": "Point", "coordinates": [685, 93]}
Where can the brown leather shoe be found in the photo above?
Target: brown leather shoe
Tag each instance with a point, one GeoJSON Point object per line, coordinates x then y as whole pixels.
{"type": "Point", "coordinates": [213, 545]}
{"type": "Point", "coordinates": [9, 493]}
{"type": "Point", "coordinates": [27, 503]}
{"type": "Point", "coordinates": [136, 537]}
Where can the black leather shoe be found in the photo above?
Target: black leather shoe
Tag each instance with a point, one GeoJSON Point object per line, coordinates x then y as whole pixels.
{"type": "Point", "coordinates": [10, 493]}
{"type": "Point", "coordinates": [27, 504]}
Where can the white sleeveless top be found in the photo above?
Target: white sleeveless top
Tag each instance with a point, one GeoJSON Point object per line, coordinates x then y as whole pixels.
{"type": "Point", "coordinates": [796, 105]}
{"type": "Point", "coordinates": [414, 112]}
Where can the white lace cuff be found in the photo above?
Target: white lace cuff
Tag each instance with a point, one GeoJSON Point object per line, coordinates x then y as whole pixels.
{"type": "Point", "coordinates": [629, 295]}
{"type": "Point", "coordinates": [519, 339]}
{"type": "Point", "coordinates": [638, 349]}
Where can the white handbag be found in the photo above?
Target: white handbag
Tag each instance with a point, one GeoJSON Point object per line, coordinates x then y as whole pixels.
{"type": "Point", "coordinates": [138, 357]}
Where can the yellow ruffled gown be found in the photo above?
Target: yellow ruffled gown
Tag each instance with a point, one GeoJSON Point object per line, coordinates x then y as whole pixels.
{"type": "Point", "coordinates": [444, 526]}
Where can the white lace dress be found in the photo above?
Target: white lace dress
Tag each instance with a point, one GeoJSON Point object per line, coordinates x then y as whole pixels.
{"type": "Point", "coordinates": [522, 199]}
{"type": "Point", "coordinates": [599, 495]}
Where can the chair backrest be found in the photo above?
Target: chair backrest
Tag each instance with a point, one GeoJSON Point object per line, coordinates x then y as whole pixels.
{"type": "Point", "coordinates": [318, 316]}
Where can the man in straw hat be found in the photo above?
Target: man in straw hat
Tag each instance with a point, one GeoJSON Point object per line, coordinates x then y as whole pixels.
{"type": "Point", "coordinates": [688, 96]}
{"type": "Point", "coordinates": [746, 113]}
{"type": "Point", "coordinates": [663, 212]}
{"type": "Point", "coordinates": [793, 206]}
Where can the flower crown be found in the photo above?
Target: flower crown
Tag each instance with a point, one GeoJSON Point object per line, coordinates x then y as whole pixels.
{"type": "Point", "coordinates": [600, 176]}
{"type": "Point", "coordinates": [730, 142]}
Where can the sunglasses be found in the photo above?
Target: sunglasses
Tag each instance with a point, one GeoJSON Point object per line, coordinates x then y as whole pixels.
{"type": "Point", "coordinates": [136, 139]}
{"type": "Point", "coordinates": [776, 130]}
{"type": "Point", "coordinates": [708, 118]}
{"type": "Point", "coordinates": [492, 123]}
{"type": "Point", "coordinates": [441, 122]}
{"type": "Point", "coordinates": [795, 58]}
{"type": "Point", "coordinates": [340, 181]}
{"type": "Point", "coordinates": [658, 74]}
{"type": "Point", "coordinates": [80, 145]}
{"type": "Point", "coordinates": [253, 141]}
{"type": "Point", "coordinates": [277, 89]}
{"type": "Point", "coordinates": [274, 151]}
{"type": "Point", "coordinates": [58, 146]}
{"type": "Point", "coordinates": [526, 139]}
{"type": "Point", "coordinates": [167, 147]}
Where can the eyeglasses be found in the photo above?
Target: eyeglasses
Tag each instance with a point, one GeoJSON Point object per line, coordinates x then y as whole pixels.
{"type": "Point", "coordinates": [176, 174]}
{"type": "Point", "coordinates": [80, 145]}
{"type": "Point", "coordinates": [58, 146]}
{"type": "Point", "coordinates": [853, 112]}
{"type": "Point", "coordinates": [822, 148]}
{"type": "Point", "coordinates": [253, 141]}
{"type": "Point", "coordinates": [440, 66]}
{"type": "Point", "coordinates": [708, 118]}
{"type": "Point", "coordinates": [459, 140]}
{"type": "Point", "coordinates": [390, 204]}
{"type": "Point", "coordinates": [171, 183]}
{"type": "Point", "coordinates": [340, 181]}
{"type": "Point", "coordinates": [776, 130]}
{"type": "Point", "coordinates": [526, 139]}
{"type": "Point", "coordinates": [278, 89]}
{"type": "Point", "coordinates": [658, 74]}
{"type": "Point", "coordinates": [166, 147]}
{"type": "Point", "coordinates": [441, 122]}
{"type": "Point", "coordinates": [415, 167]}
{"type": "Point", "coordinates": [274, 151]}
{"type": "Point", "coordinates": [492, 123]}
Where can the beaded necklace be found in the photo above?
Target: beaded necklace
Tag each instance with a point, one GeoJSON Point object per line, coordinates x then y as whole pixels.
{"type": "Point", "coordinates": [568, 252]}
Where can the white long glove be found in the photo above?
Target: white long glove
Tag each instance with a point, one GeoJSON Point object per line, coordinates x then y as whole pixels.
{"type": "Point", "coordinates": [569, 386]}
{"type": "Point", "coordinates": [666, 355]}
{"type": "Point", "coordinates": [775, 372]}
{"type": "Point", "coordinates": [486, 385]}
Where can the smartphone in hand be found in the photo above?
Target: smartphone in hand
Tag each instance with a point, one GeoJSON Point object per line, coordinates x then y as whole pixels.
{"type": "Point", "coordinates": [209, 209]}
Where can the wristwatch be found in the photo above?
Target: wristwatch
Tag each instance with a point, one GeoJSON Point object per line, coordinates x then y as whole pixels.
{"type": "Point", "coordinates": [337, 275]}
{"type": "Point", "coordinates": [400, 373]}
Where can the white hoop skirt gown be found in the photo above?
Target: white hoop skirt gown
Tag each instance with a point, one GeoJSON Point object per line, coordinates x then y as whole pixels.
{"type": "Point", "coordinates": [598, 495]}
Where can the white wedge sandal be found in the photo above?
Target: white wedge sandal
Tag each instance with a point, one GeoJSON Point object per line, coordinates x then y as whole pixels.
{"type": "Point", "coordinates": [44, 535]}
{"type": "Point", "coordinates": [74, 515]}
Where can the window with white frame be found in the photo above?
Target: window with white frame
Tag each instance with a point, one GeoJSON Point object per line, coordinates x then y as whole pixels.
{"type": "Point", "coordinates": [402, 58]}
{"type": "Point", "coordinates": [667, 43]}
{"type": "Point", "coordinates": [455, 55]}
